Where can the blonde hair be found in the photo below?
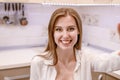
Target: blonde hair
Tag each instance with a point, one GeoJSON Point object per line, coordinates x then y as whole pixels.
{"type": "Point", "coordinates": [51, 47]}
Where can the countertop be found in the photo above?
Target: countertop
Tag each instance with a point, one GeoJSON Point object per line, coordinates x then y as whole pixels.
{"type": "Point", "coordinates": [22, 57]}
{"type": "Point", "coordinates": [18, 57]}
{"type": "Point", "coordinates": [13, 58]}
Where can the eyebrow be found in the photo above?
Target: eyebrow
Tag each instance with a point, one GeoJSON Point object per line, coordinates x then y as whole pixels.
{"type": "Point", "coordinates": [72, 26]}
{"type": "Point", "coordinates": [68, 26]}
{"type": "Point", "coordinates": [57, 26]}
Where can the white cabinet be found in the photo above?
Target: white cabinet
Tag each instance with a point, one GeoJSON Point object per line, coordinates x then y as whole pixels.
{"type": "Point", "coordinates": [23, 1]}
{"type": "Point", "coordinates": [51, 1]}
{"type": "Point", "coordinates": [63, 1]}
{"type": "Point", "coordinates": [66, 1]}
{"type": "Point", "coordinates": [36, 1]}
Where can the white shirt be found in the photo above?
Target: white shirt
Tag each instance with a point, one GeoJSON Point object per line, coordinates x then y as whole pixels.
{"type": "Point", "coordinates": [85, 63]}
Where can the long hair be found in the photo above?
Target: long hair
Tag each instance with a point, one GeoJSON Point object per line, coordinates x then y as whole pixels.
{"type": "Point", "coordinates": [51, 47]}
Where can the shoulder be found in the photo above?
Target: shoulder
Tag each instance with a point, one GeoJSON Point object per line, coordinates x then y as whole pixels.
{"type": "Point", "coordinates": [40, 59]}
{"type": "Point", "coordinates": [89, 55]}
{"type": "Point", "coordinates": [37, 60]}
{"type": "Point", "coordinates": [91, 52]}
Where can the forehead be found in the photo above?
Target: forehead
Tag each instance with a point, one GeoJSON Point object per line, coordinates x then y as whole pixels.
{"type": "Point", "coordinates": [65, 20]}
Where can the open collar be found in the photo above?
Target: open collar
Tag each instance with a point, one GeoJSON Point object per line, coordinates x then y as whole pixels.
{"type": "Point", "coordinates": [78, 54]}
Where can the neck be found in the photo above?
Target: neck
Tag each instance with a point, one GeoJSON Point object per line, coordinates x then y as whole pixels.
{"type": "Point", "coordinates": [66, 56]}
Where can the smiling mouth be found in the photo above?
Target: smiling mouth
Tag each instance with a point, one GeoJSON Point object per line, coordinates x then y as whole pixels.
{"type": "Point", "coordinates": [66, 42]}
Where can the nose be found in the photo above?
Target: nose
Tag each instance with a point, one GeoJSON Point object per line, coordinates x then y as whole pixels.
{"type": "Point", "coordinates": [65, 34]}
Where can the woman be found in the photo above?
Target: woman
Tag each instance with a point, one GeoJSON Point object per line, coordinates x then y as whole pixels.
{"type": "Point", "coordinates": [63, 58]}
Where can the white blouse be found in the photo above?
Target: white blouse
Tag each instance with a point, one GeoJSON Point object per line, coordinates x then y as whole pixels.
{"type": "Point", "coordinates": [85, 63]}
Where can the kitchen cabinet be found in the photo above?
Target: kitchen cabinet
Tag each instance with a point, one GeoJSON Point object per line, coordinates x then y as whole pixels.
{"type": "Point", "coordinates": [24, 1]}
{"type": "Point", "coordinates": [17, 65]}
{"type": "Point", "coordinates": [36, 1]}
{"type": "Point", "coordinates": [62, 1]}
{"type": "Point", "coordinates": [52, 1]}
{"type": "Point", "coordinates": [105, 76]}
{"type": "Point", "coordinates": [66, 1]}
{"type": "Point", "coordinates": [98, 76]}
{"type": "Point", "coordinates": [20, 73]}
{"type": "Point", "coordinates": [44, 1]}
{"type": "Point", "coordinates": [112, 76]}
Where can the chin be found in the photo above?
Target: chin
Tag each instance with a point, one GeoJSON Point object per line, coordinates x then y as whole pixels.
{"type": "Point", "coordinates": [66, 48]}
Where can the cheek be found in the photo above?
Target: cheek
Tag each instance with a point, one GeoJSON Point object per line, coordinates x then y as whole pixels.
{"type": "Point", "coordinates": [56, 37]}
{"type": "Point", "coordinates": [74, 37]}
{"type": "Point", "coordinates": [74, 34]}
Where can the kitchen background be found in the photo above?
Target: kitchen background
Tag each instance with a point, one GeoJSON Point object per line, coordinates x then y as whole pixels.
{"type": "Point", "coordinates": [99, 26]}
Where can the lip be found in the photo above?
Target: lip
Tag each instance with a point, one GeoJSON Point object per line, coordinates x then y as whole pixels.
{"type": "Point", "coordinates": [66, 42]}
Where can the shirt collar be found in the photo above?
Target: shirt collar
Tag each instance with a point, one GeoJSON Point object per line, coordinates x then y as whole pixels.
{"type": "Point", "coordinates": [78, 59]}
{"type": "Point", "coordinates": [77, 54]}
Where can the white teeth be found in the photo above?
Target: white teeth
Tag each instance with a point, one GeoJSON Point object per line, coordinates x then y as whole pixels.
{"type": "Point", "coordinates": [65, 41]}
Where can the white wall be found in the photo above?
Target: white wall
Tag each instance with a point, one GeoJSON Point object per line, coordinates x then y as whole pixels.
{"type": "Point", "coordinates": [98, 33]}
{"type": "Point", "coordinates": [34, 34]}
{"type": "Point", "coordinates": [103, 32]}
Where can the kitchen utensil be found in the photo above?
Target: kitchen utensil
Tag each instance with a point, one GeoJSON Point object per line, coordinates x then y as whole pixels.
{"type": "Point", "coordinates": [16, 21]}
{"type": "Point", "coordinates": [13, 8]}
{"type": "Point", "coordinates": [1, 13]}
{"type": "Point", "coordinates": [23, 20]}
{"type": "Point", "coordinates": [8, 10]}
{"type": "Point", "coordinates": [9, 13]}
{"type": "Point", "coordinates": [19, 11]}
{"type": "Point", "coordinates": [16, 6]}
{"type": "Point", "coordinates": [19, 6]}
{"type": "Point", "coordinates": [5, 18]}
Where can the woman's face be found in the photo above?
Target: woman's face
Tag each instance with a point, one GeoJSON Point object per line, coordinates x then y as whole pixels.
{"type": "Point", "coordinates": [65, 32]}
